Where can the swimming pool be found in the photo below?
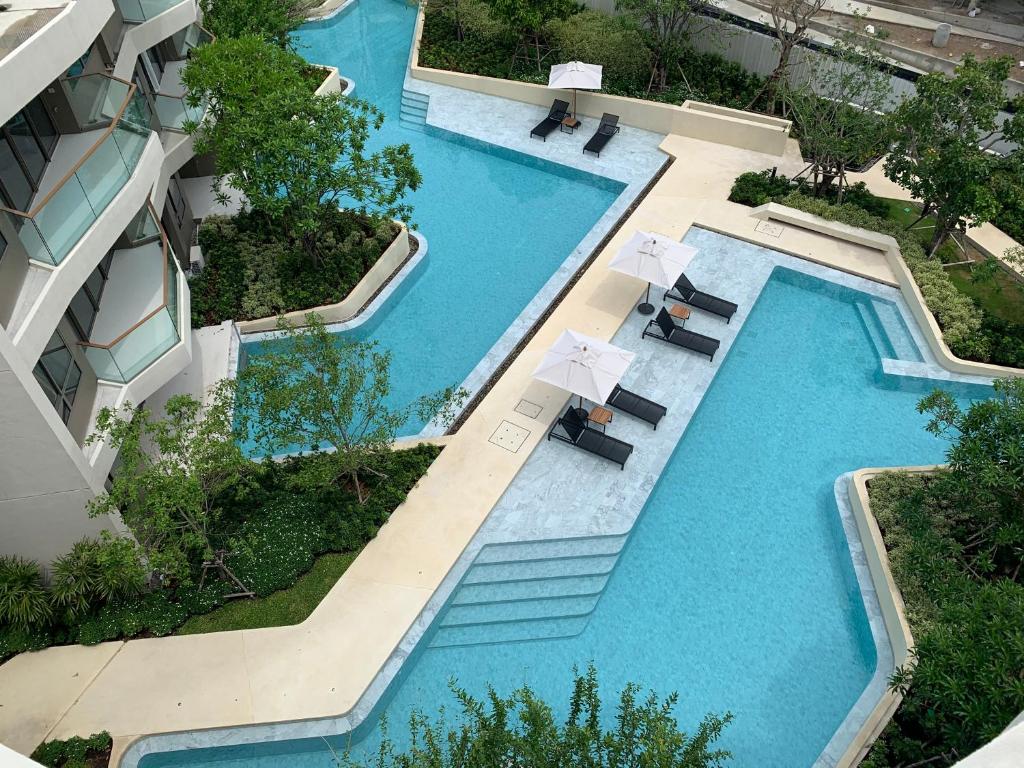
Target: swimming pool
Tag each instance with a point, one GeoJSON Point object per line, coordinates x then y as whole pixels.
{"type": "Point", "coordinates": [498, 223]}
{"type": "Point", "coordinates": [735, 587]}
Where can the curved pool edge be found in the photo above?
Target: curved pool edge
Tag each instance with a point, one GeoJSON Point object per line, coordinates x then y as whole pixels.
{"type": "Point", "coordinates": [850, 735]}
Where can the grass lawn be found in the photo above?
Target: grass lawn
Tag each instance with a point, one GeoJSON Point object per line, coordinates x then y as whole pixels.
{"type": "Point", "coordinates": [284, 607]}
{"type": "Point", "coordinates": [905, 213]}
{"type": "Point", "coordinates": [1003, 297]}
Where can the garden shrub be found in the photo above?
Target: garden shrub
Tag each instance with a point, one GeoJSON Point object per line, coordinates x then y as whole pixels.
{"type": "Point", "coordinates": [24, 601]}
{"type": "Point", "coordinates": [597, 37]}
{"type": "Point", "coordinates": [957, 315]}
{"type": "Point", "coordinates": [273, 547]}
{"type": "Point", "coordinates": [255, 269]}
{"type": "Point", "coordinates": [966, 685]}
{"type": "Point", "coordinates": [93, 572]}
{"type": "Point", "coordinates": [75, 752]}
{"type": "Point", "coordinates": [758, 187]}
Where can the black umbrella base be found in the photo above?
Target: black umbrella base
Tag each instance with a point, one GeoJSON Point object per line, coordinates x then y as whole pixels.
{"type": "Point", "coordinates": [645, 309]}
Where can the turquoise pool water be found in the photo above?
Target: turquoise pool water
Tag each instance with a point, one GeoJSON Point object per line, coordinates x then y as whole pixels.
{"type": "Point", "coordinates": [498, 223]}
{"type": "Point", "coordinates": [736, 587]}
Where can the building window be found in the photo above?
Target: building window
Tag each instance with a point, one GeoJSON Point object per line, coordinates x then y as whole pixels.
{"type": "Point", "coordinates": [86, 303]}
{"type": "Point", "coordinates": [27, 141]}
{"type": "Point", "coordinates": [59, 375]}
{"type": "Point", "coordinates": [78, 66]}
{"type": "Point", "coordinates": [175, 200]}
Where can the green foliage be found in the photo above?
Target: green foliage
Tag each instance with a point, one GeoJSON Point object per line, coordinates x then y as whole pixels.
{"type": "Point", "coordinates": [596, 37]}
{"type": "Point", "coordinates": [75, 752]}
{"type": "Point", "coordinates": [293, 155]}
{"type": "Point", "coordinates": [521, 730]}
{"type": "Point", "coordinates": [172, 471]}
{"type": "Point", "coordinates": [834, 135]}
{"type": "Point", "coordinates": [663, 26]}
{"type": "Point", "coordinates": [255, 269]}
{"type": "Point", "coordinates": [274, 548]}
{"type": "Point", "coordinates": [986, 470]}
{"type": "Point", "coordinates": [967, 681]}
{"type": "Point", "coordinates": [288, 606]}
{"type": "Point", "coordinates": [95, 572]}
{"type": "Point", "coordinates": [940, 139]}
{"type": "Point", "coordinates": [526, 19]}
{"type": "Point", "coordinates": [154, 613]}
{"type": "Point", "coordinates": [957, 316]}
{"type": "Point", "coordinates": [24, 602]}
{"type": "Point", "coordinates": [758, 187]}
{"type": "Point", "coordinates": [311, 388]}
{"type": "Point", "coordinates": [273, 20]}
{"type": "Point", "coordinates": [487, 48]}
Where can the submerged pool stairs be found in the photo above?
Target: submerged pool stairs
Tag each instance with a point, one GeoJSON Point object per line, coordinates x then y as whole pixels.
{"type": "Point", "coordinates": [888, 332]}
{"type": "Point", "coordinates": [414, 108]}
{"type": "Point", "coordinates": [529, 591]}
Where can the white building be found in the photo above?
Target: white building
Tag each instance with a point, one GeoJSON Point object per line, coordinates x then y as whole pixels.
{"type": "Point", "coordinates": [94, 306]}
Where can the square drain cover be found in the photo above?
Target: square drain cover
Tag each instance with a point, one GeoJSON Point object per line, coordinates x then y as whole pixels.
{"type": "Point", "coordinates": [769, 228]}
{"type": "Point", "coordinates": [509, 436]}
{"type": "Point", "coordinates": [528, 409]}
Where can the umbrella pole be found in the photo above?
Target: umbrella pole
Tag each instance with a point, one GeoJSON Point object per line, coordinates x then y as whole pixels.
{"type": "Point", "coordinates": [645, 307]}
{"type": "Point", "coordinates": [573, 103]}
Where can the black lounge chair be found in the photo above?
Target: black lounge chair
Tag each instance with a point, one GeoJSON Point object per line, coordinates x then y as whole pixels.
{"type": "Point", "coordinates": [589, 439]}
{"type": "Point", "coordinates": [558, 112]}
{"type": "Point", "coordinates": [686, 293]}
{"type": "Point", "coordinates": [636, 405]}
{"type": "Point", "coordinates": [608, 128]}
{"type": "Point", "coordinates": [664, 327]}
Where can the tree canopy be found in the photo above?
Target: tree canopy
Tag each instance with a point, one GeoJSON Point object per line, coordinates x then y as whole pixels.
{"type": "Point", "coordinates": [311, 389]}
{"type": "Point", "coordinates": [171, 472]}
{"type": "Point", "coordinates": [273, 20]}
{"type": "Point", "coordinates": [942, 137]}
{"type": "Point", "coordinates": [521, 730]}
{"type": "Point", "coordinates": [291, 153]}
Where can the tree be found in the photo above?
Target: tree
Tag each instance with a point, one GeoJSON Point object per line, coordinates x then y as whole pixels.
{"type": "Point", "coordinates": [664, 25]}
{"type": "Point", "coordinates": [986, 472]}
{"type": "Point", "coordinates": [526, 19]}
{"type": "Point", "coordinates": [316, 389]}
{"type": "Point", "coordinates": [790, 21]}
{"type": "Point", "coordinates": [943, 135]}
{"type": "Point", "coordinates": [291, 153]}
{"type": "Point", "coordinates": [172, 471]}
{"type": "Point", "coordinates": [838, 112]}
{"type": "Point", "coordinates": [273, 20]}
{"type": "Point", "coordinates": [521, 731]}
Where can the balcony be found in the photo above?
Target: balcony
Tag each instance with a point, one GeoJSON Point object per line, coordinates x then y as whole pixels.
{"type": "Point", "coordinates": [139, 11]}
{"type": "Point", "coordinates": [188, 38]}
{"type": "Point", "coordinates": [172, 108]}
{"type": "Point", "coordinates": [139, 316]}
{"type": "Point", "coordinates": [88, 169]}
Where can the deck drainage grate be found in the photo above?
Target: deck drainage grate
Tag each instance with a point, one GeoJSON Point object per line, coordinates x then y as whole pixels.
{"type": "Point", "coordinates": [528, 409]}
{"type": "Point", "coordinates": [509, 436]}
{"type": "Point", "coordinates": [769, 228]}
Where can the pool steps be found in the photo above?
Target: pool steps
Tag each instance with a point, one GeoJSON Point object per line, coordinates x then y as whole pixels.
{"type": "Point", "coordinates": [888, 332]}
{"type": "Point", "coordinates": [413, 111]}
{"type": "Point", "coordinates": [529, 591]}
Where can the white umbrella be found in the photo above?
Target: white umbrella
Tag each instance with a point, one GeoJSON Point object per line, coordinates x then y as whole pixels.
{"type": "Point", "coordinates": [655, 258]}
{"type": "Point", "coordinates": [575, 74]}
{"type": "Point", "coordinates": [583, 365]}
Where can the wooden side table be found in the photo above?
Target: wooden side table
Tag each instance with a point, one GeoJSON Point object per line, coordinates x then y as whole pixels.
{"type": "Point", "coordinates": [679, 312]}
{"type": "Point", "coordinates": [600, 416]}
{"type": "Point", "coordinates": [569, 124]}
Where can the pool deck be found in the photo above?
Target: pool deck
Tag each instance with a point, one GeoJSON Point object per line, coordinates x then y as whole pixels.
{"type": "Point", "coordinates": [323, 667]}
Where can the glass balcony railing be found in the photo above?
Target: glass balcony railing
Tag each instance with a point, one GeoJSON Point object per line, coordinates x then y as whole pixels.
{"type": "Point", "coordinates": [55, 224]}
{"type": "Point", "coordinates": [174, 112]}
{"type": "Point", "coordinates": [140, 277]}
{"type": "Point", "coordinates": [138, 11]}
{"type": "Point", "coordinates": [192, 36]}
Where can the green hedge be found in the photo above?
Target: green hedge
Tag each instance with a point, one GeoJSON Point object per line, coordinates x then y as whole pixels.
{"type": "Point", "coordinates": [275, 532]}
{"type": "Point", "coordinates": [75, 752]}
{"type": "Point", "coordinates": [957, 315]}
{"type": "Point", "coordinates": [968, 683]}
{"type": "Point", "coordinates": [254, 269]}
